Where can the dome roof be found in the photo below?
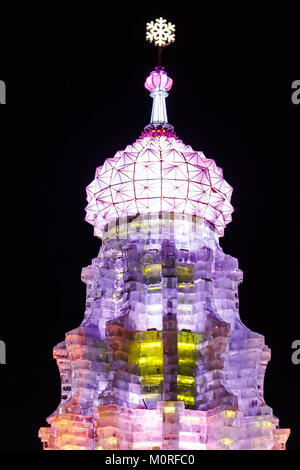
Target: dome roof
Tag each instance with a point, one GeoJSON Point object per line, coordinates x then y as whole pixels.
{"type": "Point", "coordinates": [158, 173]}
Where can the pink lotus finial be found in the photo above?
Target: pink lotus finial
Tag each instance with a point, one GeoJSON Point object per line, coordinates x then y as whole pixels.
{"type": "Point", "coordinates": [158, 83]}
{"type": "Point", "coordinates": [158, 80]}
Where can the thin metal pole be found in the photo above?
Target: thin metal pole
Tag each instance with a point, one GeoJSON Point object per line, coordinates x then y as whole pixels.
{"type": "Point", "coordinates": [159, 55]}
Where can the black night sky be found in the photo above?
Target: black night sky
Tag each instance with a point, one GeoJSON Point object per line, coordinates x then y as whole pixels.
{"type": "Point", "coordinates": [74, 77]}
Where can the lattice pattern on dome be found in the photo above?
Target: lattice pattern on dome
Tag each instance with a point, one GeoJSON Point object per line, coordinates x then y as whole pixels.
{"type": "Point", "coordinates": [159, 174]}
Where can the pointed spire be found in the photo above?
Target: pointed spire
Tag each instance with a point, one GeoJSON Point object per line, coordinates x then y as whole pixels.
{"type": "Point", "coordinates": [158, 83]}
{"type": "Point", "coordinates": [161, 33]}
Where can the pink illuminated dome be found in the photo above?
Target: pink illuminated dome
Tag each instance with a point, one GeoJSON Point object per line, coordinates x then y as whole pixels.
{"type": "Point", "coordinates": [158, 173]}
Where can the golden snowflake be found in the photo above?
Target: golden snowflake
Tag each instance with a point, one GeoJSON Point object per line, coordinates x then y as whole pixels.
{"type": "Point", "coordinates": [160, 32]}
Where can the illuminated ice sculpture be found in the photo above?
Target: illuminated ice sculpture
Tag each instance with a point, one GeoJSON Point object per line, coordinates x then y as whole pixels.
{"type": "Point", "coordinates": [161, 359]}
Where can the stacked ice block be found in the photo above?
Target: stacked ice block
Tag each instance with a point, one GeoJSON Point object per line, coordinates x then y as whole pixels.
{"type": "Point", "coordinates": [162, 360]}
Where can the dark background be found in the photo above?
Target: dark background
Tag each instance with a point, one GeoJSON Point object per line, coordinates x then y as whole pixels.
{"type": "Point", "coordinates": [75, 95]}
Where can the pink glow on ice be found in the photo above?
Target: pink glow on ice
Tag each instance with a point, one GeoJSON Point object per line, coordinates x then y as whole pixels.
{"type": "Point", "coordinates": [158, 174]}
{"type": "Point", "coordinates": [158, 79]}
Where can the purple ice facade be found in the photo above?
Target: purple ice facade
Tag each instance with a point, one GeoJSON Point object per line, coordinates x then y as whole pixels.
{"type": "Point", "coordinates": [162, 338]}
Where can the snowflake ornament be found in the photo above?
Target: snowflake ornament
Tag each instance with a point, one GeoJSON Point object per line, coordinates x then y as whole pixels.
{"type": "Point", "coordinates": [160, 32]}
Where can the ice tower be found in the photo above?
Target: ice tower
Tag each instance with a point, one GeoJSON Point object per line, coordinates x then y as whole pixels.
{"type": "Point", "coordinates": [161, 359]}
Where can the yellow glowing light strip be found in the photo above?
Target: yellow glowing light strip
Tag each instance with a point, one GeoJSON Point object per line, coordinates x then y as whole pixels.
{"type": "Point", "coordinates": [185, 380]}
{"type": "Point", "coordinates": [151, 268]}
{"type": "Point", "coordinates": [151, 361]}
{"type": "Point", "coordinates": [184, 270]}
{"type": "Point", "coordinates": [143, 360]}
{"type": "Point", "coordinates": [153, 379]}
{"type": "Point", "coordinates": [229, 413]}
{"type": "Point", "coordinates": [71, 447]}
{"type": "Point", "coordinates": [188, 400]}
{"type": "Point", "coordinates": [227, 441]}
{"type": "Point", "coordinates": [63, 423]}
{"type": "Point", "coordinates": [156, 344]}
{"type": "Point", "coordinates": [186, 346]}
{"type": "Point", "coordinates": [186, 362]}
{"type": "Point", "coordinates": [112, 441]}
{"type": "Point", "coordinates": [169, 409]}
{"type": "Point", "coordinates": [151, 395]}
{"type": "Point", "coordinates": [264, 424]}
